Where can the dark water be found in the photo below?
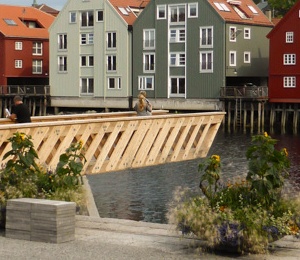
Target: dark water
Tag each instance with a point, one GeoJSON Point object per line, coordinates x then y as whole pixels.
{"type": "Point", "coordinates": [143, 194]}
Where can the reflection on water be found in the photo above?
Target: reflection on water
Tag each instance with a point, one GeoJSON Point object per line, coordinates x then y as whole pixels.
{"type": "Point", "coordinates": [143, 194]}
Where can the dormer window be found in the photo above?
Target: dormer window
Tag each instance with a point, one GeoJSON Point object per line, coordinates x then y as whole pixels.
{"type": "Point", "coordinates": [31, 23]}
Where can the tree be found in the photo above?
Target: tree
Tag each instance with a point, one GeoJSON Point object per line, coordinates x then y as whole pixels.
{"type": "Point", "coordinates": [281, 7]}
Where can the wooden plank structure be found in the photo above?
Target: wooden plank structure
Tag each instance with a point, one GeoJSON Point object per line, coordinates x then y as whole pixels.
{"type": "Point", "coordinates": [117, 141]}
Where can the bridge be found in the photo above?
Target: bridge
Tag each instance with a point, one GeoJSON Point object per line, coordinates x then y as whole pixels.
{"type": "Point", "coordinates": [117, 141]}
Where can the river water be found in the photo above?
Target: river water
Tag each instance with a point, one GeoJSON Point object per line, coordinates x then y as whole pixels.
{"type": "Point", "coordinates": [144, 194]}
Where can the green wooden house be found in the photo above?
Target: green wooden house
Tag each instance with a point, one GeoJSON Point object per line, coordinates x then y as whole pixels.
{"type": "Point", "coordinates": [184, 52]}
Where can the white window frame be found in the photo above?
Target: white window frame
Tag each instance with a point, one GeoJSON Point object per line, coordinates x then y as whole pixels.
{"type": "Point", "coordinates": [178, 19]}
{"type": "Point", "coordinates": [177, 35]}
{"type": "Point", "coordinates": [209, 68]}
{"type": "Point", "coordinates": [89, 21]}
{"type": "Point", "coordinates": [62, 41]}
{"type": "Point", "coordinates": [144, 81]}
{"type": "Point", "coordinates": [192, 6]}
{"type": "Point", "coordinates": [253, 10]}
{"type": "Point", "coordinates": [177, 59]}
{"type": "Point", "coordinates": [87, 38]}
{"type": "Point", "coordinates": [37, 48]}
{"type": "Point", "coordinates": [18, 64]}
{"type": "Point", "coordinates": [289, 37]}
{"type": "Point", "coordinates": [247, 54]}
{"type": "Point", "coordinates": [177, 94]}
{"type": "Point", "coordinates": [37, 67]}
{"type": "Point", "coordinates": [18, 46]}
{"type": "Point", "coordinates": [232, 58]}
{"type": "Point", "coordinates": [62, 64]}
{"type": "Point", "coordinates": [149, 39]}
{"type": "Point", "coordinates": [89, 61]}
{"type": "Point", "coordinates": [116, 82]}
{"type": "Point", "coordinates": [289, 82]}
{"type": "Point", "coordinates": [111, 63]}
{"type": "Point", "coordinates": [72, 17]}
{"type": "Point", "coordinates": [289, 59]}
{"type": "Point", "coordinates": [161, 9]}
{"type": "Point", "coordinates": [89, 86]}
{"type": "Point", "coordinates": [97, 16]}
{"type": "Point", "coordinates": [232, 33]}
{"type": "Point", "coordinates": [247, 33]}
{"type": "Point", "coordinates": [149, 62]}
{"type": "Point", "coordinates": [206, 43]}
{"type": "Point", "coordinates": [111, 40]}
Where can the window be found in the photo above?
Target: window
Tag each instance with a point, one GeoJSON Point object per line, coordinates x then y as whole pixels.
{"type": "Point", "coordinates": [87, 38]}
{"type": "Point", "coordinates": [247, 33]}
{"type": "Point", "coordinates": [73, 17]}
{"type": "Point", "coordinates": [62, 42]}
{"type": "Point", "coordinates": [87, 18]}
{"type": "Point", "coordinates": [177, 59]}
{"type": "Point", "coordinates": [177, 86]}
{"type": "Point", "coordinates": [149, 39]}
{"type": "Point", "coordinates": [240, 12]}
{"type": "Point", "coordinates": [18, 46]}
{"type": "Point", "coordinates": [18, 64]}
{"type": "Point", "coordinates": [62, 63]}
{"type": "Point", "coordinates": [289, 37]}
{"type": "Point", "coordinates": [10, 22]}
{"type": "Point", "coordinates": [232, 34]}
{"type": "Point", "coordinates": [253, 10]}
{"type": "Point", "coordinates": [87, 86]}
{"type": "Point", "coordinates": [232, 58]}
{"type": "Point", "coordinates": [114, 83]}
{"type": "Point", "coordinates": [177, 35]}
{"type": "Point", "coordinates": [177, 14]}
{"type": "Point", "coordinates": [37, 66]}
{"type": "Point", "coordinates": [37, 48]}
{"type": "Point", "coordinates": [111, 63]}
{"type": "Point", "coordinates": [111, 39]}
{"type": "Point", "coordinates": [146, 83]}
{"type": "Point", "coordinates": [87, 61]}
{"type": "Point", "coordinates": [222, 7]}
{"type": "Point", "coordinates": [289, 59]}
{"type": "Point", "coordinates": [206, 61]}
{"type": "Point", "coordinates": [289, 82]}
{"type": "Point", "coordinates": [193, 10]}
{"type": "Point", "coordinates": [100, 16]}
{"type": "Point", "coordinates": [149, 62]}
{"type": "Point", "coordinates": [161, 12]}
{"type": "Point", "coordinates": [206, 37]}
{"type": "Point", "coordinates": [247, 57]}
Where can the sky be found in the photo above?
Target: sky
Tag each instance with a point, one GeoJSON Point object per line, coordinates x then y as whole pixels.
{"type": "Point", "coordinates": [56, 4]}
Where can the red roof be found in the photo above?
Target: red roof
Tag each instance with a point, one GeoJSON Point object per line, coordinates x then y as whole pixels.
{"type": "Point", "coordinates": [12, 20]}
{"type": "Point", "coordinates": [240, 11]}
{"type": "Point", "coordinates": [128, 9]}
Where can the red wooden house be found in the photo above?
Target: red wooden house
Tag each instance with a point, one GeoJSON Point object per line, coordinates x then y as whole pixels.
{"type": "Point", "coordinates": [24, 45]}
{"type": "Point", "coordinates": [284, 59]}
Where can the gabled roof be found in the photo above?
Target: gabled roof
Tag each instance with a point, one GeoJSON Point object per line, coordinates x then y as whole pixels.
{"type": "Point", "coordinates": [129, 9]}
{"type": "Point", "coordinates": [47, 9]}
{"type": "Point", "coordinates": [240, 11]}
{"type": "Point", "coordinates": [13, 19]}
{"type": "Point", "coordinates": [287, 16]}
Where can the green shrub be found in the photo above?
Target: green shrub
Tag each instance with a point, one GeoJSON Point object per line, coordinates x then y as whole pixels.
{"type": "Point", "coordinates": [244, 215]}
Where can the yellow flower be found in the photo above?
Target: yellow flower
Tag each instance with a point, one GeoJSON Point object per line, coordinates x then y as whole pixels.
{"type": "Point", "coordinates": [265, 134]}
{"type": "Point", "coordinates": [80, 144]}
{"type": "Point", "coordinates": [22, 136]}
{"type": "Point", "coordinates": [216, 157]}
{"type": "Point", "coordinates": [285, 152]}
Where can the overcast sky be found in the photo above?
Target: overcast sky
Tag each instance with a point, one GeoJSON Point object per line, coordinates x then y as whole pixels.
{"type": "Point", "coordinates": [56, 4]}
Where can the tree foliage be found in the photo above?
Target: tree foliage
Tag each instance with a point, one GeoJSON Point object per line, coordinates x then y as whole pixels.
{"type": "Point", "coordinates": [281, 7]}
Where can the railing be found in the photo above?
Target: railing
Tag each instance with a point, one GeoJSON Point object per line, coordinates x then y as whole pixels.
{"type": "Point", "coordinates": [119, 142]}
{"type": "Point", "coordinates": [28, 90]}
{"type": "Point", "coordinates": [252, 92]}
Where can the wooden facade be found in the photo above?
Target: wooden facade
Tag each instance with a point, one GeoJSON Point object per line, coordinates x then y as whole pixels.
{"type": "Point", "coordinates": [116, 141]}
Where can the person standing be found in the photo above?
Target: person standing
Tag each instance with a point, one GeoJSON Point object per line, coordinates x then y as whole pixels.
{"type": "Point", "coordinates": [143, 107]}
{"type": "Point", "coordinates": [19, 111]}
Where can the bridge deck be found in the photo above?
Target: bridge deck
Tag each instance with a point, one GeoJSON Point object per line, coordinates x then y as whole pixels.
{"type": "Point", "coordinates": [116, 141]}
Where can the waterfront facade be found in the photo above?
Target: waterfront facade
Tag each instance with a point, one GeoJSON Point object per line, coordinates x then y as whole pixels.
{"type": "Point", "coordinates": [24, 45]}
{"type": "Point", "coordinates": [91, 54]}
{"type": "Point", "coordinates": [186, 51]}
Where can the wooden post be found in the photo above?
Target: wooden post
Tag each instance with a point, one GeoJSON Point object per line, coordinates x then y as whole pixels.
{"type": "Point", "coordinates": [252, 117]}
{"type": "Point", "coordinates": [245, 116]}
{"type": "Point", "coordinates": [229, 115]}
{"type": "Point", "coordinates": [259, 117]}
{"type": "Point", "coordinates": [263, 117]}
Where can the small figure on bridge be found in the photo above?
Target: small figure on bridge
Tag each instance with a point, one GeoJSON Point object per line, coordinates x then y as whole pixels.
{"type": "Point", "coordinates": [19, 111]}
{"type": "Point", "coordinates": [143, 106]}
